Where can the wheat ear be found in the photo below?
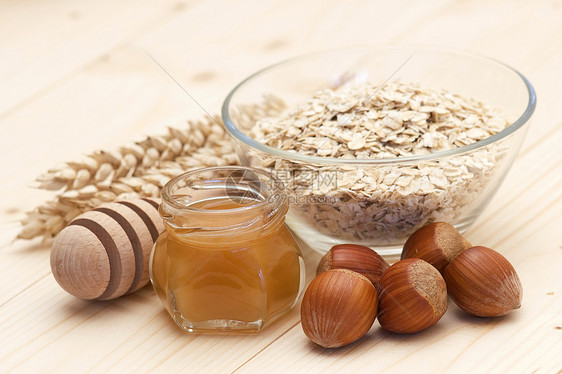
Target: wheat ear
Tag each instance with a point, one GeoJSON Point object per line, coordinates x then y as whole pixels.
{"type": "Point", "coordinates": [137, 169]}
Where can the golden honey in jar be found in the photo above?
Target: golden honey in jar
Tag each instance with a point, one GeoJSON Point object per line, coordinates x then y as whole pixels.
{"type": "Point", "coordinates": [226, 261]}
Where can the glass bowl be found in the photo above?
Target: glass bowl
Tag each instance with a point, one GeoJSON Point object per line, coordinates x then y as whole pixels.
{"type": "Point", "coordinates": [325, 209]}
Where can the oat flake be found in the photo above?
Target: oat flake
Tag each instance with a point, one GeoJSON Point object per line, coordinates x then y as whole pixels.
{"type": "Point", "coordinates": [382, 204]}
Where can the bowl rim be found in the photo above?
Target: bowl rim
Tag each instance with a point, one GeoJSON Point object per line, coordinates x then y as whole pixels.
{"type": "Point", "coordinates": [518, 123]}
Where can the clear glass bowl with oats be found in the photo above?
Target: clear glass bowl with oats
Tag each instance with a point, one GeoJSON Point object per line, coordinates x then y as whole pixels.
{"type": "Point", "coordinates": [372, 143]}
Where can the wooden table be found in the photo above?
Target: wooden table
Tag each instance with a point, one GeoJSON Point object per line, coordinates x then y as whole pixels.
{"type": "Point", "coordinates": [75, 76]}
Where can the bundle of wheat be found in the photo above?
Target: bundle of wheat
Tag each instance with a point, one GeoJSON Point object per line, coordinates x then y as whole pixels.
{"type": "Point", "coordinates": [138, 169]}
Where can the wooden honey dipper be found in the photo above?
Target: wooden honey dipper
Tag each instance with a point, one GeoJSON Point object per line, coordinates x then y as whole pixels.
{"type": "Point", "coordinates": [103, 253]}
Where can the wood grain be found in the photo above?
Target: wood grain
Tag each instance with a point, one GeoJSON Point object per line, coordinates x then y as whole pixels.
{"type": "Point", "coordinates": [78, 34]}
{"type": "Point", "coordinates": [104, 253]}
{"type": "Point", "coordinates": [75, 76]}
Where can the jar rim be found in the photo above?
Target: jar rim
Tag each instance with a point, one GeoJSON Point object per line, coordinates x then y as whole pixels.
{"type": "Point", "coordinates": [278, 189]}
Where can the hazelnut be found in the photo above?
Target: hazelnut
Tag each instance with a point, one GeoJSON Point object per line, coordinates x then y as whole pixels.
{"type": "Point", "coordinates": [357, 258]}
{"type": "Point", "coordinates": [413, 296]}
{"type": "Point", "coordinates": [437, 243]}
{"type": "Point", "coordinates": [338, 307]}
{"type": "Point", "coordinates": [483, 283]}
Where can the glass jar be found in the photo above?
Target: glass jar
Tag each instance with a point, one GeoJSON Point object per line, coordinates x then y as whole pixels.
{"type": "Point", "coordinates": [226, 261]}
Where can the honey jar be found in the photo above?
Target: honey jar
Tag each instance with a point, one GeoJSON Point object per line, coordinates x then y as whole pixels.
{"type": "Point", "coordinates": [225, 262]}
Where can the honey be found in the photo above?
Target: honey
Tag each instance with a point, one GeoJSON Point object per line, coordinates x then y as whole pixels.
{"type": "Point", "coordinates": [226, 261]}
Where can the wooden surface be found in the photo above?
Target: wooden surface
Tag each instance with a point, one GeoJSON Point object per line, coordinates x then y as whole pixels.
{"type": "Point", "coordinates": [75, 76]}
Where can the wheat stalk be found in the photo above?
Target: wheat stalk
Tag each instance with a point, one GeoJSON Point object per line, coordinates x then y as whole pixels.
{"type": "Point", "coordinates": [138, 169]}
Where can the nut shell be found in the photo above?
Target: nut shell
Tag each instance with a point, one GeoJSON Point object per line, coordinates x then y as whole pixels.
{"type": "Point", "coordinates": [357, 258]}
{"type": "Point", "coordinates": [437, 243]}
{"type": "Point", "coordinates": [413, 297]}
{"type": "Point", "coordinates": [338, 308]}
{"type": "Point", "coordinates": [483, 283]}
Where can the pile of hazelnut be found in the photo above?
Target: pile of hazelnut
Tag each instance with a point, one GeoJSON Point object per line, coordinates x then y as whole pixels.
{"type": "Point", "coordinates": [354, 285]}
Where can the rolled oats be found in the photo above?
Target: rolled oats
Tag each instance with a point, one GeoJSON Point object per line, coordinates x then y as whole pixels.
{"type": "Point", "coordinates": [381, 203]}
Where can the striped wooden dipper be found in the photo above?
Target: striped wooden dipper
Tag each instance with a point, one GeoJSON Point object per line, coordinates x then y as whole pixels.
{"type": "Point", "coordinates": [103, 253]}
